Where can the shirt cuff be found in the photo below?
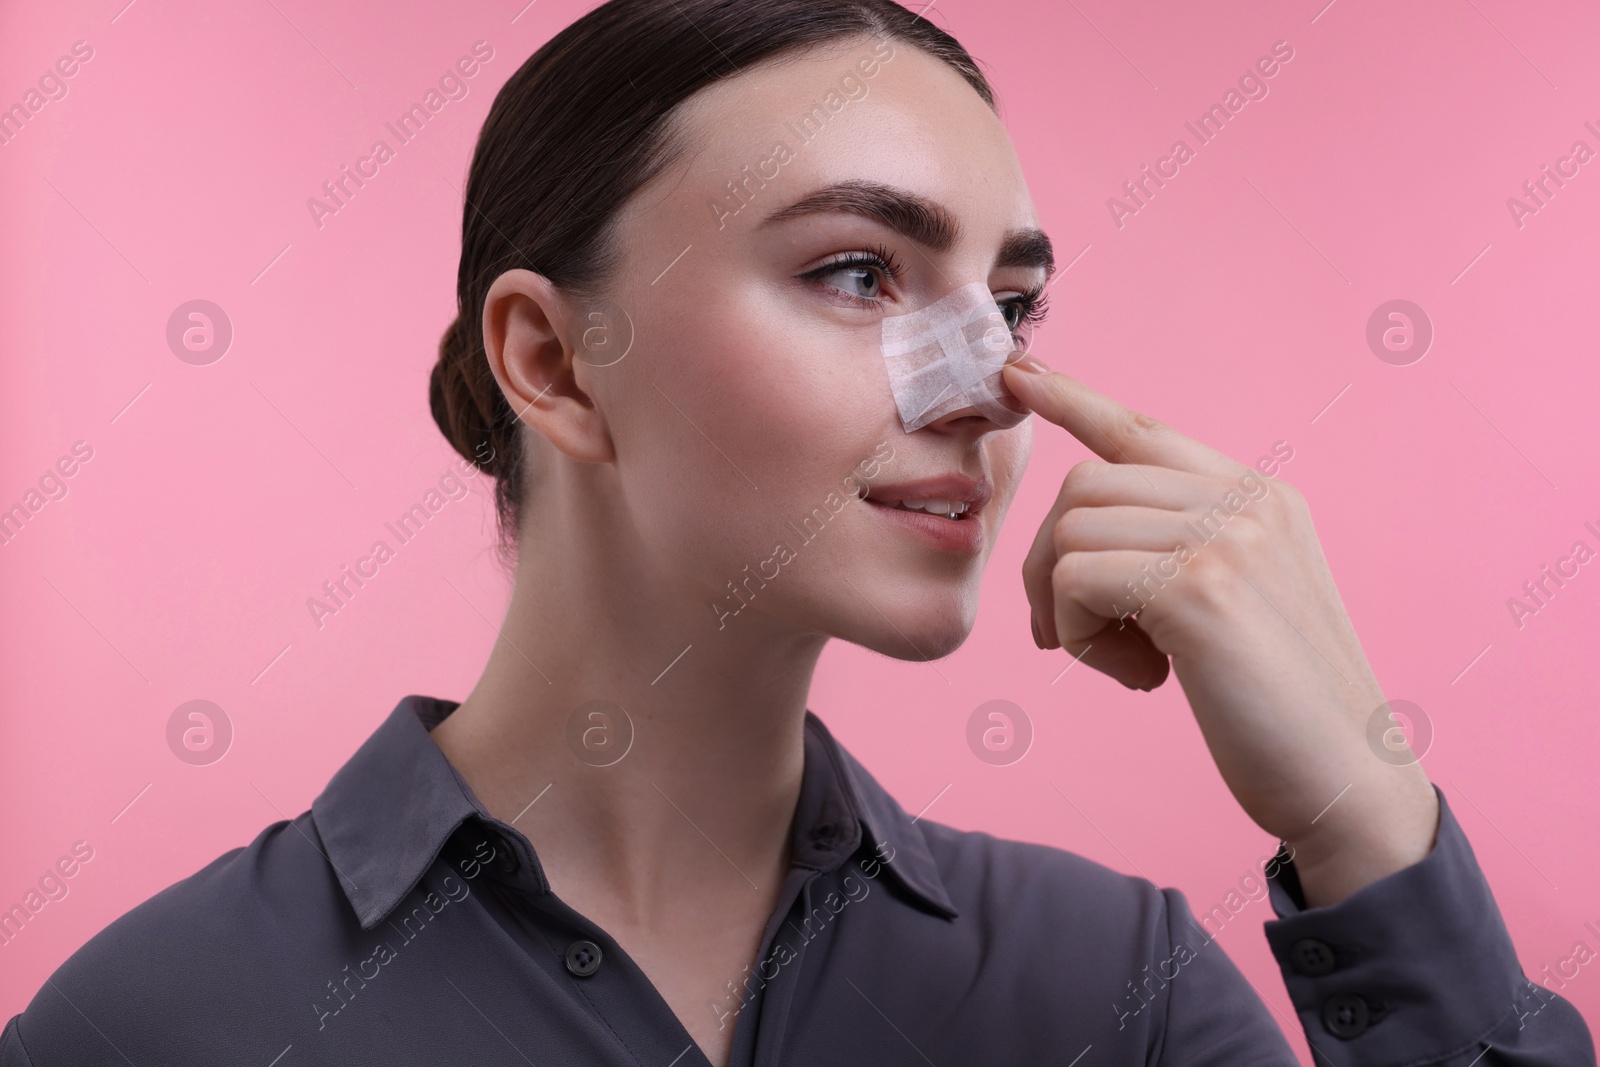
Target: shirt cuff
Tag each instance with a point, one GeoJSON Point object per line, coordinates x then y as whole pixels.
{"type": "Point", "coordinates": [1415, 967]}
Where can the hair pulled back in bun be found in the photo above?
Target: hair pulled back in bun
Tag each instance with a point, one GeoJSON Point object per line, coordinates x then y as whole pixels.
{"type": "Point", "coordinates": [576, 131]}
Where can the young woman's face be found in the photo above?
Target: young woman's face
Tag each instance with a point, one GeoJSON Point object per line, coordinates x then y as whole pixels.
{"type": "Point", "coordinates": [755, 404]}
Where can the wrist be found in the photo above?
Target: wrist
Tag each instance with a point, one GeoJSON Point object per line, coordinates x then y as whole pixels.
{"type": "Point", "coordinates": [1387, 826]}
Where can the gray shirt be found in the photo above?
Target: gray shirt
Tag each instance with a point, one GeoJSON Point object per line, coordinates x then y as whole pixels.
{"type": "Point", "coordinates": [398, 922]}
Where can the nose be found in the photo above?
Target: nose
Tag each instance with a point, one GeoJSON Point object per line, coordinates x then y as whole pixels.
{"type": "Point", "coordinates": [972, 418]}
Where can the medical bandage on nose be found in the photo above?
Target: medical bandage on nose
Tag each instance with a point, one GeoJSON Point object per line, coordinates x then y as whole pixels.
{"type": "Point", "coordinates": [947, 356]}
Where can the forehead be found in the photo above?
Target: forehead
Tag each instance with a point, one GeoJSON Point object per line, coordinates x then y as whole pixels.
{"type": "Point", "coordinates": [857, 109]}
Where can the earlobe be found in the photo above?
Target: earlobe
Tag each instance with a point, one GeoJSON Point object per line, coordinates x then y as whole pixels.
{"type": "Point", "coordinates": [526, 338]}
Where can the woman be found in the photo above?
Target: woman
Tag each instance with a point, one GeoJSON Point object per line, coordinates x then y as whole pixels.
{"type": "Point", "coordinates": [686, 225]}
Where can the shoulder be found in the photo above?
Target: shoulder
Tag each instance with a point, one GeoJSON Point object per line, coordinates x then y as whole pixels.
{"type": "Point", "coordinates": [197, 949]}
{"type": "Point", "coordinates": [1051, 898]}
{"type": "Point", "coordinates": [981, 867]}
{"type": "Point", "coordinates": [240, 900]}
{"type": "Point", "coordinates": [1106, 945]}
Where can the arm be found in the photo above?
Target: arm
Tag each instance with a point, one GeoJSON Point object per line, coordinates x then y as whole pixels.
{"type": "Point", "coordinates": [1214, 1015]}
{"type": "Point", "coordinates": [1166, 556]}
{"type": "Point", "coordinates": [1418, 968]}
{"type": "Point", "coordinates": [12, 1054]}
{"type": "Point", "coordinates": [1414, 970]}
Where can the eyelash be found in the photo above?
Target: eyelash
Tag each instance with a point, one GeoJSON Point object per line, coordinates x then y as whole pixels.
{"type": "Point", "coordinates": [1035, 302]}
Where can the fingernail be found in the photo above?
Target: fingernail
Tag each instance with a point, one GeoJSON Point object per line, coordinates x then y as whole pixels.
{"type": "Point", "coordinates": [1032, 365]}
{"type": "Point", "coordinates": [1038, 638]}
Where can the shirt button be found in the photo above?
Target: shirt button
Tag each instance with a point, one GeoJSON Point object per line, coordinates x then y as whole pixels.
{"type": "Point", "coordinates": [1345, 1016]}
{"type": "Point", "coordinates": [505, 857]}
{"type": "Point", "coordinates": [583, 958]}
{"type": "Point", "coordinates": [1311, 957]}
{"type": "Point", "coordinates": [824, 834]}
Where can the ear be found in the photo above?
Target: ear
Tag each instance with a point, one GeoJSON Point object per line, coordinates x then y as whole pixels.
{"type": "Point", "coordinates": [526, 322]}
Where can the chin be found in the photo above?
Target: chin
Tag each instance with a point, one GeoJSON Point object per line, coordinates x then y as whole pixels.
{"type": "Point", "coordinates": [914, 619]}
{"type": "Point", "coordinates": [918, 638]}
{"type": "Point", "coordinates": [929, 649]}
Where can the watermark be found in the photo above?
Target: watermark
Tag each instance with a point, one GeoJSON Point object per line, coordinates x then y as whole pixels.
{"type": "Point", "coordinates": [51, 887]}
{"type": "Point", "coordinates": [1538, 592]}
{"type": "Point", "coordinates": [338, 592]}
{"type": "Point", "coordinates": [52, 86]}
{"type": "Point", "coordinates": [52, 485]}
{"type": "Point", "coordinates": [1537, 192]}
{"type": "Point", "coordinates": [999, 732]}
{"type": "Point", "coordinates": [433, 900]}
{"type": "Point", "coordinates": [741, 991]}
{"type": "Point", "coordinates": [199, 732]}
{"type": "Point", "coordinates": [1399, 733]}
{"type": "Point", "coordinates": [1141, 993]}
{"type": "Point", "coordinates": [199, 332]}
{"type": "Point", "coordinates": [852, 88]}
{"type": "Point", "coordinates": [1233, 502]}
{"type": "Point", "coordinates": [452, 85]}
{"type": "Point", "coordinates": [599, 732]}
{"type": "Point", "coordinates": [1581, 954]}
{"type": "Point", "coordinates": [607, 334]}
{"type": "Point", "coordinates": [742, 592]}
{"type": "Point", "coordinates": [1399, 332]}
{"type": "Point", "coordinates": [1252, 85]}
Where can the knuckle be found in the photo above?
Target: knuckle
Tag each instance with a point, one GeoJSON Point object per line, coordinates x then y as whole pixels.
{"type": "Point", "coordinates": [1138, 425]}
{"type": "Point", "coordinates": [1068, 571]}
{"type": "Point", "coordinates": [1290, 497]}
{"type": "Point", "coordinates": [1068, 530]}
{"type": "Point", "coordinates": [1080, 480]}
{"type": "Point", "coordinates": [1085, 470]}
{"type": "Point", "coordinates": [1250, 536]}
{"type": "Point", "coordinates": [1285, 508]}
{"type": "Point", "coordinates": [1035, 573]}
{"type": "Point", "coordinates": [1210, 580]}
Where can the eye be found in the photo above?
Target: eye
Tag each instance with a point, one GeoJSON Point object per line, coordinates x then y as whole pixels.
{"type": "Point", "coordinates": [1015, 313]}
{"type": "Point", "coordinates": [1024, 313]}
{"type": "Point", "coordinates": [864, 281]}
{"type": "Point", "coordinates": [864, 271]}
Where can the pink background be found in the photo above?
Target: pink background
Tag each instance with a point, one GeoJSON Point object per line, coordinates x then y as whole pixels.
{"type": "Point", "coordinates": [1234, 306]}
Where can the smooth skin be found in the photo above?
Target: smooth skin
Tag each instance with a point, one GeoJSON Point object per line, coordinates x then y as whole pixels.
{"type": "Point", "coordinates": [749, 394]}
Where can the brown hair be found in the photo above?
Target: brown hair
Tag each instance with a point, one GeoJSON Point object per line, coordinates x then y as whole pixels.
{"type": "Point", "coordinates": [576, 131]}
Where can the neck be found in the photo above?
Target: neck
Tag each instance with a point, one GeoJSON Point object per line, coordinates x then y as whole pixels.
{"type": "Point", "coordinates": [716, 708]}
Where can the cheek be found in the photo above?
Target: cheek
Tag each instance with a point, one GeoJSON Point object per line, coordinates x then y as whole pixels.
{"type": "Point", "coordinates": [819, 388]}
{"type": "Point", "coordinates": [779, 388]}
{"type": "Point", "coordinates": [744, 418]}
{"type": "Point", "coordinates": [1008, 460]}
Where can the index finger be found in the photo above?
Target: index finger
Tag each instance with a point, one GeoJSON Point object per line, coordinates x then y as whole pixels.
{"type": "Point", "coordinates": [1114, 433]}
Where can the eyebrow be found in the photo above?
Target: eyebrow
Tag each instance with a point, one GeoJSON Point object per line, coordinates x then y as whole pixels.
{"type": "Point", "coordinates": [924, 221]}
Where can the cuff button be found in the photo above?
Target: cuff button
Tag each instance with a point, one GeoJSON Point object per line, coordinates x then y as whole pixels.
{"type": "Point", "coordinates": [1345, 1016]}
{"type": "Point", "coordinates": [1311, 957]}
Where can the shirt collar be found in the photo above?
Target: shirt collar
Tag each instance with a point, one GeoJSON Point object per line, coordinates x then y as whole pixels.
{"type": "Point", "coordinates": [873, 818]}
{"type": "Point", "coordinates": [387, 813]}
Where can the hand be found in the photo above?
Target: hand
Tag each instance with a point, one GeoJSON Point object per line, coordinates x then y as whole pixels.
{"type": "Point", "coordinates": [1165, 549]}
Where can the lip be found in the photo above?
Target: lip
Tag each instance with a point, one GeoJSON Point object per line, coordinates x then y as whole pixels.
{"type": "Point", "coordinates": [964, 535]}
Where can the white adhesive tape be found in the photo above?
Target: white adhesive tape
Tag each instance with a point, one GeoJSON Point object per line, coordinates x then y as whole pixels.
{"type": "Point", "coordinates": [947, 356]}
